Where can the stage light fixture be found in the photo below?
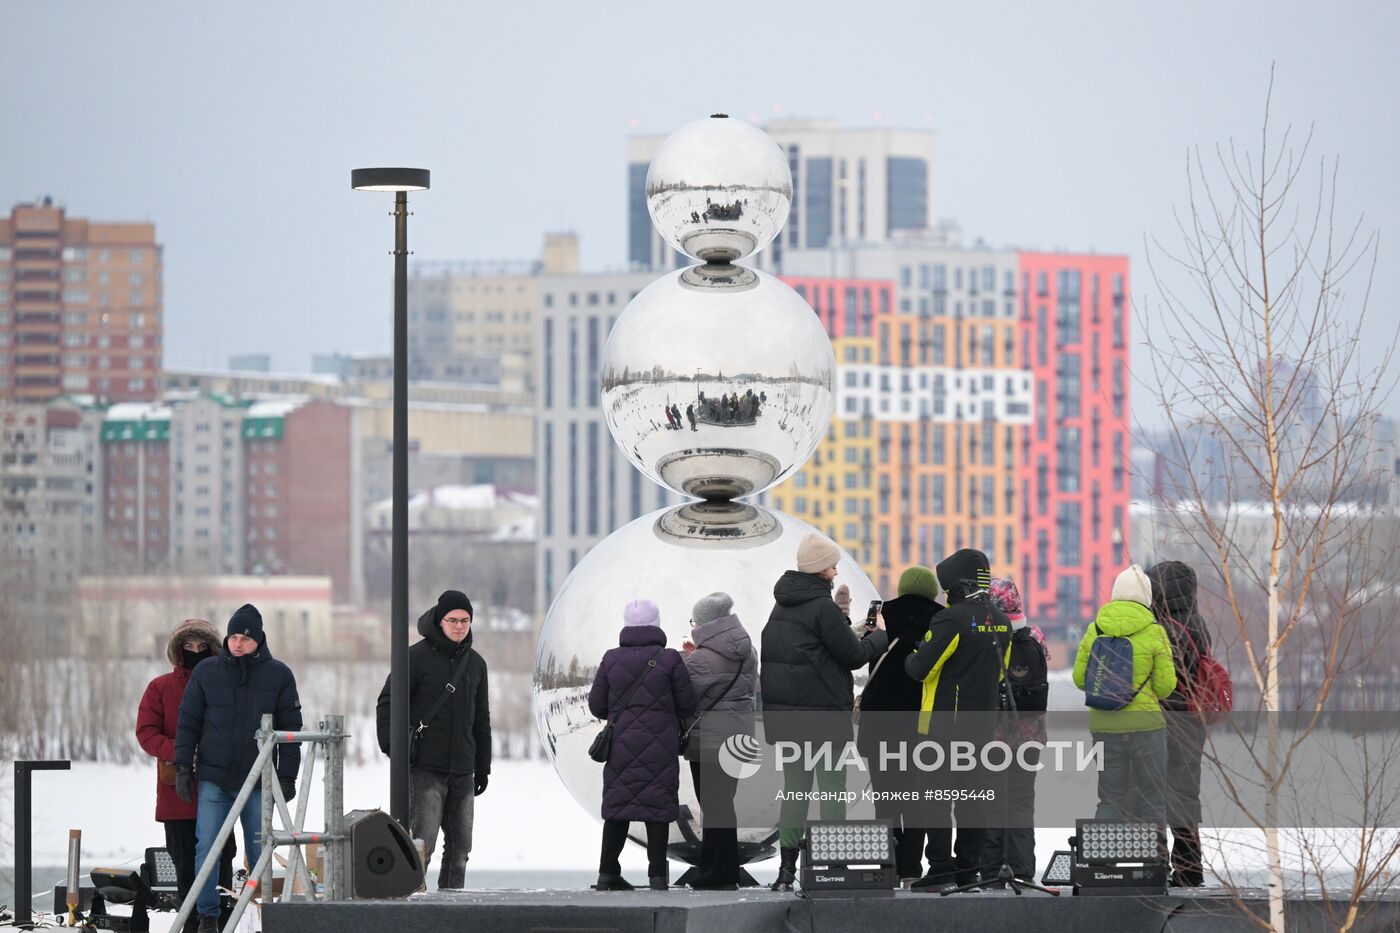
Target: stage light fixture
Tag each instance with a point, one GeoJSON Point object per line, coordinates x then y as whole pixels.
{"type": "Point", "coordinates": [1057, 873]}
{"type": "Point", "coordinates": [1118, 857]}
{"type": "Point", "coordinates": [1116, 841]}
{"type": "Point", "coordinates": [850, 857]}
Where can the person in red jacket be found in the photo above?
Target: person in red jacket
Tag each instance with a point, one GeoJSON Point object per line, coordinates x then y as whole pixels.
{"type": "Point", "coordinates": [156, 720]}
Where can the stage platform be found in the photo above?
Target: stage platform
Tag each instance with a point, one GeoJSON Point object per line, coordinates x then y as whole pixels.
{"type": "Point", "coordinates": [760, 911]}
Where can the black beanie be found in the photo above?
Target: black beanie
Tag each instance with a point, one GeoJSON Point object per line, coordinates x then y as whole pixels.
{"type": "Point", "coordinates": [246, 621]}
{"type": "Point", "coordinates": [449, 600]}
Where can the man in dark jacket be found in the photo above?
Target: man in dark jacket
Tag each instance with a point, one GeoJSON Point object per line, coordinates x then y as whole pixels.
{"type": "Point", "coordinates": [1174, 605]}
{"type": "Point", "coordinates": [960, 670]}
{"type": "Point", "coordinates": [891, 690]}
{"type": "Point", "coordinates": [809, 651]}
{"type": "Point", "coordinates": [215, 743]}
{"type": "Point", "coordinates": [450, 715]}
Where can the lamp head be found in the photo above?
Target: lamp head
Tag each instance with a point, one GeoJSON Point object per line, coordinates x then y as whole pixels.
{"type": "Point", "coordinates": [389, 179]}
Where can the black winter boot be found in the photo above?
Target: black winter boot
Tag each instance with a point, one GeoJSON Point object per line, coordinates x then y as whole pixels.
{"type": "Point", "coordinates": [612, 883]}
{"type": "Point", "coordinates": [787, 871]}
{"type": "Point", "coordinates": [659, 883]}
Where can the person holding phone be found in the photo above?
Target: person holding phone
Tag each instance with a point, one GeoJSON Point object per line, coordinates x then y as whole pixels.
{"type": "Point", "coordinates": [808, 653]}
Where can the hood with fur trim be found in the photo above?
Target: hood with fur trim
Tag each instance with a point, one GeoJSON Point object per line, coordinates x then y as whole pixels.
{"type": "Point", "coordinates": [191, 628]}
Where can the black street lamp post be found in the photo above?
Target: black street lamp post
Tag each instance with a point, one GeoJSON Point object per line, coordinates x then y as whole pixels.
{"type": "Point", "coordinates": [400, 181]}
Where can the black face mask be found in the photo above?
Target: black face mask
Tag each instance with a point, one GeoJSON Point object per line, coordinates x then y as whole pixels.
{"type": "Point", "coordinates": [191, 658]}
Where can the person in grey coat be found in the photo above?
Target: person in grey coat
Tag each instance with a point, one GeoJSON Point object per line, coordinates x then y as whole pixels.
{"type": "Point", "coordinates": [723, 670]}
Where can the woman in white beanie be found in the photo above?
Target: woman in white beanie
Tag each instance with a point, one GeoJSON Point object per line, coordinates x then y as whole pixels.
{"type": "Point", "coordinates": [808, 654]}
{"type": "Point", "coordinates": [1132, 782]}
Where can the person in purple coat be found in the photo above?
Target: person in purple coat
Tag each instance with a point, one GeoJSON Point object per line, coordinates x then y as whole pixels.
{"type": "Point", "coordinates": [641, 779]}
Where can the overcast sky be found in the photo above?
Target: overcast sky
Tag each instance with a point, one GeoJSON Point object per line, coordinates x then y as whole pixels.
{"type": "Point", "coordinates": [234, 126]}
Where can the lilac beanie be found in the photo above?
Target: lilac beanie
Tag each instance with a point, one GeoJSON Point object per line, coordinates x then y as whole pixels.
{"type": "Point", "coordinates": [641, 612]}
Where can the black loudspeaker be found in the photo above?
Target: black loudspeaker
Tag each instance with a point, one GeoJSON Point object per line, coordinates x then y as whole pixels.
{"type": "Point", "coordinates": [383, 859]}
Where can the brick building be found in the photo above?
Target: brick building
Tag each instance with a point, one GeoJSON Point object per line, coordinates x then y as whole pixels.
{"type": "Point", "coordinates": [80, 307]}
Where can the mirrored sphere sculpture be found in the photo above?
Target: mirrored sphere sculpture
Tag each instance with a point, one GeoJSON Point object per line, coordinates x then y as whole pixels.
{"type": "Point", "coordinates": [719, 189]}
{"type": "Point", "coordinates": [717, 381]}
{"type": "Point", "coordinates": [656, 557]}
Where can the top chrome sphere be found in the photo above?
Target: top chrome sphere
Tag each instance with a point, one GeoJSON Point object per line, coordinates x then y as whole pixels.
{"type": "Point", "coordinates": [717, 381]}
{"type": "Point", "coordinates": [719, 189]}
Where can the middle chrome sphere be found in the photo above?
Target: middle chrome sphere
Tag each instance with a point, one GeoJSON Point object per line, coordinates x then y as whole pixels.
{"type": "Point", "coordinates": [717, 381]}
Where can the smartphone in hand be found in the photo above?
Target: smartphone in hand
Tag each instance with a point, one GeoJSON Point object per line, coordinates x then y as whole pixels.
{"type": "Point", "coordinates": [873, 613]}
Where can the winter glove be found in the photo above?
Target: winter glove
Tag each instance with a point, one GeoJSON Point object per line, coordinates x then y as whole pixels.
{"type": "Point", "coordinates": [481, 780]}
{"type": "Point", "coordinates": [842, 596]}
{"type": "Point", "coordinates": [184, 783]}
{"type": "Point", "coordinates": [289, 787]}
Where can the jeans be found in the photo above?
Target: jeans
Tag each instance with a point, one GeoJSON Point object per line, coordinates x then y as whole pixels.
{"type": "Point", "coordinates": [179, 842]}
{"type": "Point", "coordinates": [792, 815]}
{"type": "Point", "coordinates": [447, 802]}
{"type": "Point", "coordinates": [214, 806]}
{"type": "Point", "coordinates": [615, 837]}
{"type": "Point", "coordinates": [1132, 784]}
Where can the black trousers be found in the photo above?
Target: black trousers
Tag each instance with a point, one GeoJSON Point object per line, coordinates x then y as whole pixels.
{"type": "Point", "coordinates": [179, 842]}
{"type": "Point", "coordinates": [719, 839]}
{"type": "Point", "coordinates": [615, 837]}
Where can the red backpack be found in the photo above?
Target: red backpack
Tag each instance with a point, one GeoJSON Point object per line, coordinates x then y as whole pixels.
{"type": "Point", "coordinates": [1212, 696]}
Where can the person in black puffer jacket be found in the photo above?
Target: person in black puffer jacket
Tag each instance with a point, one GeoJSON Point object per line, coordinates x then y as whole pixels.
{"type": "Point", "coordinates": [1174, 605]}
{"type": "Point", "coordinates": [216, 746]}
{"type": "Point", "coordinates": [452, 762]}
{"type": "Point", "coordinates": [958, 666]}
{"type": "Point", "coordinates": [808, 653]}
{"type": "Point", "coordinates": [891, 690]}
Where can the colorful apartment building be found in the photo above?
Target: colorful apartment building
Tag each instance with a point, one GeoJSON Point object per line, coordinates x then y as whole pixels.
{"type": "Point", "coordinates": [981, 401]}
{"type": "Point", "coordinates": [920, 457]}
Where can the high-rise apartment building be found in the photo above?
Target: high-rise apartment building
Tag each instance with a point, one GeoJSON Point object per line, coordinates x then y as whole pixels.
{"type": "Point", "coordinates": [849, 185]}
{"type": "Point", "coordinates": [1075, 473]}
{"type": "Point", "coordinates": [299, 504]}
{"type": "Point", "coordinates": [206, 529]}
{"type": "Point", "coordinates": [475, 321]}
{"type": "Point", "coordinates": [80, 306]}
{"type": "Point", "coordinates": [989, 389]}
{"type": "Point", "coordinates": [136, 487]}
{"type": "Point", "coordinates": [921, 456]}
{"type": "Point", "coordinates": [48, 516]}
{"type": "Point", "coordinates": [587, 487]}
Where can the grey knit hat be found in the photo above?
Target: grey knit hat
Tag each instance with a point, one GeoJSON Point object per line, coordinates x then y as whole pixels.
{"type": "Point", "coordinates": [711, 607]}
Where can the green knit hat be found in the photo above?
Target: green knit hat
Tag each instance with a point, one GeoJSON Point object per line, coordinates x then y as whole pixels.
{"type": "Point", "coordinates": [918, 581]}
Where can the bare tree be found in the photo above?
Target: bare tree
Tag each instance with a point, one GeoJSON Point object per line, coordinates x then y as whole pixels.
{"type": "Point", "coordinates": [1270, 411]}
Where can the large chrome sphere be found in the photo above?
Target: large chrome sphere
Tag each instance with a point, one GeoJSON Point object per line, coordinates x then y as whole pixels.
{"type": "Point", "coordinates": [746, 365]}
{"type": "Point", "coordinates": [719, 189]}
{"type": "Point", "coordinates": [670, 558]}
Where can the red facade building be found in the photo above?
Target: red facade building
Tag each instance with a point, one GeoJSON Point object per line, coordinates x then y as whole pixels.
{"type": "Point", "coordinates": [1074, 475]}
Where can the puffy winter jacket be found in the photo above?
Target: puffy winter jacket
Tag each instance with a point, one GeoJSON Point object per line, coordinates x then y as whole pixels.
{"type": "Point", "coordinates": [641, 778]}
{"type": "Point", "coordinates": [1174, 605]}
{"type": "Point", "coordinates": [1153, 668]}
{"type": "Point", "coordinates": [458, 740]}
{"type": "Point", "coordinates": [158, 716]}
{"type": "Point", "coordinates": [957, 661]}
{"type": "Point", "coordinates": [809, 649]}
{"type": "Point", "coordinates": [723, 672]}
{"type": "Point", "coordinates": [223, 708]}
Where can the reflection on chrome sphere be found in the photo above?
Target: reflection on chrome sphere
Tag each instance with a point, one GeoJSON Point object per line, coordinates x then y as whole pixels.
{"type": "Point", "coordinates": [717, 381]}
{"type": "Point", "coordinates": [655, 558]}
{"type": "Point", "coordinates": [719, 189]}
